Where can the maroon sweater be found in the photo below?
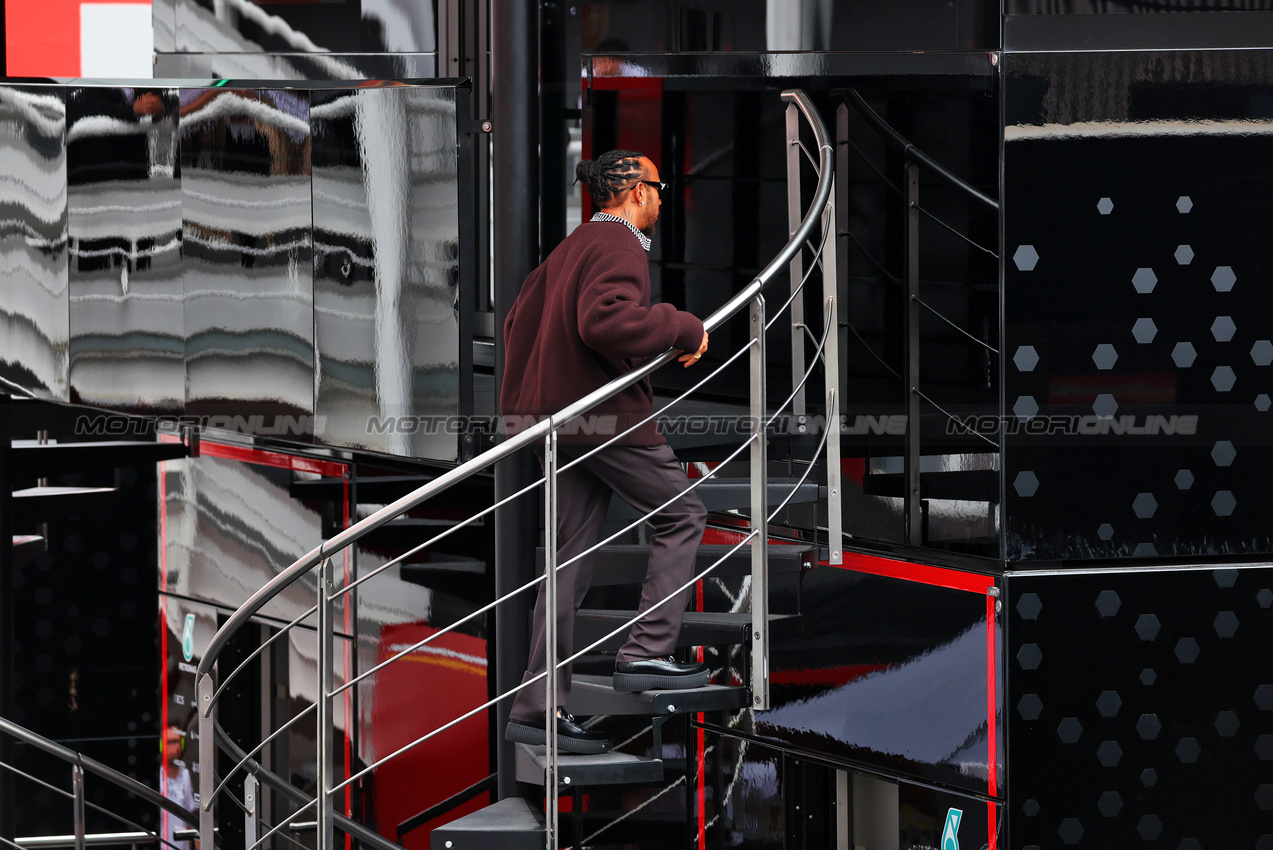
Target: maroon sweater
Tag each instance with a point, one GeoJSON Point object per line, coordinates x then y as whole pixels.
{"type": "Point", "coordinates": [582, 319]}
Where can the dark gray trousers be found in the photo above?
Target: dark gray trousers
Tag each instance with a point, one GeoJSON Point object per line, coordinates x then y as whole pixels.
{"type": "Point", "coordinates": [645, 477]}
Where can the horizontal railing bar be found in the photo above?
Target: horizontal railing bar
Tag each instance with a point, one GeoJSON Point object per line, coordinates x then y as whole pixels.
{"type": "Point", "coordinates": [813, 364]}
{"type": "Point", "coordinates": [921, 302]}
{"type": "Point", "coordinates": [800, 287]}
{"type": "Point", "coordinates": [38, 781]}
{"type": "Point", "coordinates": [911, 152]}
{"type": "Point", "coordinates": [872, 166]}
{"type": "Point", "coordinates": [532, 583]}
{"type": "Point", "coordinates": [98, 769]}
{"type": "Point", "coordinates": [951, 417]}
{"type": "Point", "coordinates": [226, 681]}
{"type": "Point", "coordinates": [285, 823]}
{"type": "Point", "coordinates": [94, 839]}
{"type": "Point", "coordinates": [974, 244]}
{"type": "Point", "coordinates": [871, 351]}
{"type": "Point", "coordinates": [367, 836]}
{"type": "Point", "coordinates": [826, 432]}
{"type": "Point", "coordinates": [888, 275]}
{"type": "Point", "coordinates": [248, 757]}
{"type": "Point", "coordinates": [533, 680]}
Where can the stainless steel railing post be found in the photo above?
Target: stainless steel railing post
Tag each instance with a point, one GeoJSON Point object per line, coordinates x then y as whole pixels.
{"type": "Point", "coordinates": [831, 368]}
{"type": "Point", "coordinates": [759, 513]}
{"type": "Point", "coordinates": [207, 759]}
{"type": "Point", "coordinates": [252, 810]}
{"type": "Point", "coordinates": [550, 637]}
{"type": "Point", "coordinates": [326, 735]}
{"type": "Point", "coordinates": [77, 788]}
{"type": "Point", "coordinates": [796, 267]}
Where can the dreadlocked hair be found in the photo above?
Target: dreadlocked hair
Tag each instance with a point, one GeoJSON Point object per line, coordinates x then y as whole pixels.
{"type": "Point", "coordinates": [610, 174]}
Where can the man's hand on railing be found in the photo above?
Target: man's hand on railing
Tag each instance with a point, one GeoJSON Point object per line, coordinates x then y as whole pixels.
{"type": "Point", "coordinates": [690, 359]}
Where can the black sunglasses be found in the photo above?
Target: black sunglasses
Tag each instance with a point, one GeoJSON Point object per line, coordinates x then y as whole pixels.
{"type": "Point", "coordinates": [662, 187]}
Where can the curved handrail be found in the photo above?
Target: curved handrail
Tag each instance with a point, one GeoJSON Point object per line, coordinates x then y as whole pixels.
{"type": "Point", "coordinates": [111, 775]}
{"type": "Point", "coordinates": [901, 143]}
{"type": "Point", "coordinates": [537, 432]}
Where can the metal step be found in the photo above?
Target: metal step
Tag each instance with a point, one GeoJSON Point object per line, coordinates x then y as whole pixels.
{"type": "Point", "coordinates": [576, 771]}
{"type": "Point", "coordinates": [592, 695]}
{"type": "Point", "coordinates": [627, 564]}
{"type": "Point", "coordinates": [408, 532]}
{"type": "Point", "coordinates": [511, 824]}
{"type": "Point", "coordinates": [729, 494]}
{"type": "Point", "coordinates": [60, 458]}
{"type": "Point", "coordinates": [699, 628]}
{"type": "Point", "coordinates": [35, 505]}
{"type": "Point", "coordinates": [383, 489]}
{"type": "Point", "coordinates": [969, 485]}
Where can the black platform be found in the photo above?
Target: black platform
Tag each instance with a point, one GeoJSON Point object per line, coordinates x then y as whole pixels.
{"type": "Point", "coordinates": [510, 824]}
{"type": "Point", "coordinates": [576, 771]}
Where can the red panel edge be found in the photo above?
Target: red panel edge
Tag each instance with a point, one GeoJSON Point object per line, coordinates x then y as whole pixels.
{"type": "Point", "coordinates": [992, 732]}
{"type": "Point", "coordinates": [922, 573]}
{"type": "Point", "coordinates": [276, 459]}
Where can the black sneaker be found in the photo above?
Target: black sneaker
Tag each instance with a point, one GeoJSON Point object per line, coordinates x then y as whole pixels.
{"type": "Point", "coordinates": [571, 737]}
{"type": "Point", "coordinates": [659, 674]}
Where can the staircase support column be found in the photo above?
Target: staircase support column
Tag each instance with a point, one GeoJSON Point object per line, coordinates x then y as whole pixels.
{"type": "Point", "coordinates": [914, 505]}
{"type": "Point", "coordinates": [326, 734]}
{"type": "Point", "coordinates": [515, 219]}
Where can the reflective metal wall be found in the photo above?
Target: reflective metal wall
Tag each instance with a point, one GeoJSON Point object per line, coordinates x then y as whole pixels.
{"type": "Point", "coordinates": [33, 294]}
{"type": "Point", "coordinates": [162, 244]}
{"type": "Point", "coordinates": [386, 267]}
{"type": "Point", "coordinates": [124, 196]}
{"type": "Point", "coordinates": [340, 40]}
{"type": "Point", "coordinates": [248, 266]}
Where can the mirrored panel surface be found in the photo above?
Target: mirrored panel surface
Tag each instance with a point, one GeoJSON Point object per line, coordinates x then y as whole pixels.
{"type": "Point", "coordinates": [33, 294]}
{"type": "Point", "coordinates": [124, 196]}
{"type": "Point", "coordinates": [245, 187]}
{"type": "Point", "coordinates": [343, 26]}
{"type": "Point", "coordinates": [386, 269]}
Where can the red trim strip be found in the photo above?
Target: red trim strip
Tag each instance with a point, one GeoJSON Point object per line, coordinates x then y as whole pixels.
{"type": "Point", "coordinates": [992, 755]}
{"type": "Point", "coordinates": [992, 843]}
{"type": "Point", "coordinates": [296, 463]}
{"type": "Point", "coordinates": [922, 573]}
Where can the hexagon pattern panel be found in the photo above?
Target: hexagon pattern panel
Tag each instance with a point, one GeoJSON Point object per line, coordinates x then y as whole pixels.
{"type": "Point", "coordinates": [1139, 341]}
{"type": "Point", "coordinates": [1140, 713]}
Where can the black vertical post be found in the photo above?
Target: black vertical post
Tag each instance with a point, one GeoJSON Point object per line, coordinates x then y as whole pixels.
{"type": "Point", "coordinates": [515, 138]}
{"type": "Point", "coordinates": [914, 506]}
{"type": "Point", "coordinates": [6, 616]}
{"type": "Point", "coordinates": [552, 124]}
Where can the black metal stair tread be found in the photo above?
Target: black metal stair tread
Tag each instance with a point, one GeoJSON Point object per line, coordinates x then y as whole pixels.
{"type": "Point", "coordinates": [592, 695]}
{"type": "Point", "coordinates": [971, 485]}
{"type": "Point", "coordinates": [698, 628]}
{"type": "Point", "coordinates": [383, 489]}
{"type": "Point", "coordinates": [60, 458]}
{"type": "Point", "coordinates": [511, 824]}
{"type": "Point", "coordinates": [725, 494]}
{"type": "Point", "coordinates": [626, 564]}
{"type": "Point", "coordinates": [581, 771]}
{"type": "Point", "coordinates": [59, 492]}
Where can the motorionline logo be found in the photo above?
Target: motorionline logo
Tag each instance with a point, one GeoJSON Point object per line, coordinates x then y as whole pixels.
{"type": "Point", "coordinates": [119, 425]}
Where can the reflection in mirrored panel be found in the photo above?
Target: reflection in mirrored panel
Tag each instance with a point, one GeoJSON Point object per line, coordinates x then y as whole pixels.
{"type": "Point", "coordinates": [33, 293]}
{"type": "Point", "coordinates": [296, 66]}
{"type": "Point", "coordinates": [245, 187]}
{"type": "Point", "coordinates": [127, 343]}
{"type": "Point", "coordinates": [344, 26]}
{"type": "Point", "coordinates": [386, 269]}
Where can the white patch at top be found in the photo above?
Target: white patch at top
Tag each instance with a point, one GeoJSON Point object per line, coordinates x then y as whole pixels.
{"type": "Point", "coordinates": [117, 40]}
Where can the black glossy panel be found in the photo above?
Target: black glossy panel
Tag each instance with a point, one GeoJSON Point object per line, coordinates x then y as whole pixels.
{"type": "Point", "coordinates": [744, 69]}
{"type": "Point", "coordinates": [1135, 255]}
{"type": "Point", "coordinates": [930, 818]}
{"type": "Point", "coordinates": [127, 344]}
{"type": "Point", "coordinates": [746, 788]}
{"type": "Point", "coordinates": [386, 269]}
{"type": "Point", "coordinates": [344, 26]}
{"type": "Point", "coordinates": [885, 672]}
{"type": "Point", "coordinates": [1139, 709]}
{"type": "Point", "coordinates": [249, 316]}
{"type": "Point", "coordinates": [33, 294]}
